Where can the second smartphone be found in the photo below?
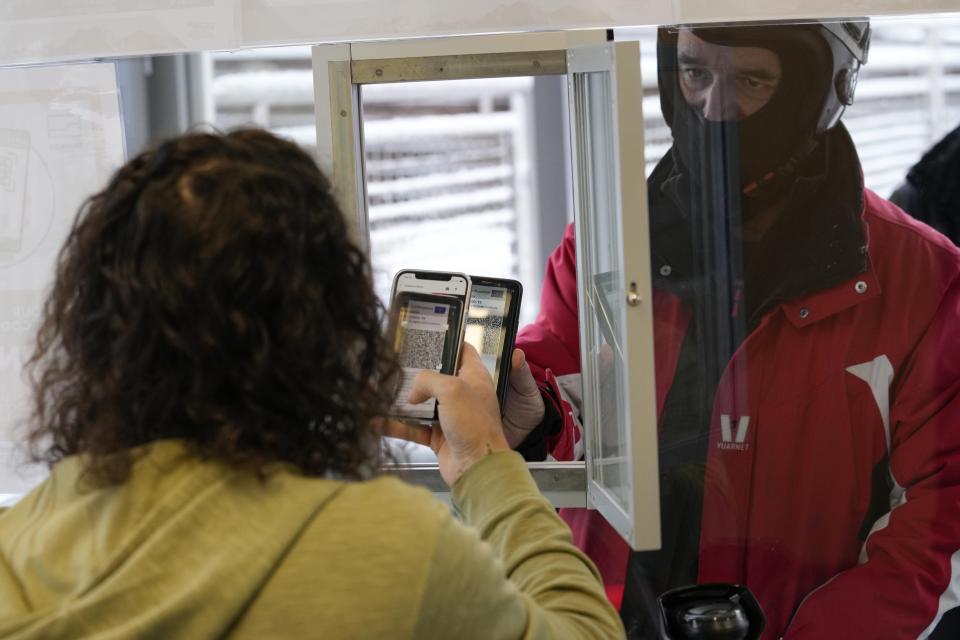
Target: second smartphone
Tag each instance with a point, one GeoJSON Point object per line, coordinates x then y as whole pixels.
{"type": "Point", "coordinates": [491, 327]}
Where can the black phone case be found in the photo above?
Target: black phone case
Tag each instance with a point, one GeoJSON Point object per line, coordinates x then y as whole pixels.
{"type": "Point", "coordinates": [510, 325]}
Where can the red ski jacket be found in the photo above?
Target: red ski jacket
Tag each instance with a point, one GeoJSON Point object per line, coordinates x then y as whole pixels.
{"type": "Point", "coordinates": [843, 379]}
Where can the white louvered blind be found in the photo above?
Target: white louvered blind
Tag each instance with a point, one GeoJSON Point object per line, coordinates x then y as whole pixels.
{"type": "Point", "coordinates": [907, 98]}
{"type": "Point", "coordinates": [448, 178]}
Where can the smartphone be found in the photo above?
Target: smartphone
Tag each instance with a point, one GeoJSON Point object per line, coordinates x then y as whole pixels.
{"type": "Point", "coordinates": [427, 311]}
{"type": "Point", "coordinates": [491, 326]}
{"type": "Point", "coordinates": [14, 153]}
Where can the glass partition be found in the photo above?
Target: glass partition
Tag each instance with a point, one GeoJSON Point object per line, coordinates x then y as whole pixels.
{"type": "Point", "coordinates": [613, 289]}
{"type": "Point", "coordinates": [61, 138]}
{"type": "Point", "coordinates": [604, 306]}
{"type": "Point", "coordinates": [791, 424]}
{"type": "Point", "coordinates": [806, 358]}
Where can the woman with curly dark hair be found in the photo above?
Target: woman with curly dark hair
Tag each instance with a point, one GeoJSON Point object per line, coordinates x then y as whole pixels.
{"type": "Point", "coordinates": [207, 370]}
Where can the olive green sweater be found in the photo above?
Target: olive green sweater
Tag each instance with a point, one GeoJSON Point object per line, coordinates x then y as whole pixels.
{"type": "Point", "coordinates": [192, 549]}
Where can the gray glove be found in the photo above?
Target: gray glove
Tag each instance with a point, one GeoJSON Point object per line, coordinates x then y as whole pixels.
{"type": "Point", "coordinates": [523, 409]}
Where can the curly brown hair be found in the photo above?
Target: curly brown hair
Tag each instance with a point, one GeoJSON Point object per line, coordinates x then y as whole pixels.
{"type": "Point", "coordinates": [211, 292]}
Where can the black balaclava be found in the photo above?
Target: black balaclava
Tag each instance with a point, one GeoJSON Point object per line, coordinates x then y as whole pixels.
{"type": "Point", "coordinates": [772, 141]}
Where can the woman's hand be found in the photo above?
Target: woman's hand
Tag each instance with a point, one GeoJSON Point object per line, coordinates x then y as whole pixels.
{"type": "Point", "coordinates": [469, 415]}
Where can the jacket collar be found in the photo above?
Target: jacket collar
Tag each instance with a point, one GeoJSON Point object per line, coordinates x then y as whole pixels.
{"type": "Point", "coordinates": [818, 305]}
{"type": "Point", "coordinates": [816, 255]}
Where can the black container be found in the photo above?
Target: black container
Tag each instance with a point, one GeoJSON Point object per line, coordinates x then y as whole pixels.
{"type": "Point", "coordinates": [710, 612]}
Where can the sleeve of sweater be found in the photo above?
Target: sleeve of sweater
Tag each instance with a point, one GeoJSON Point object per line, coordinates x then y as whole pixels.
{"type": "Point", "coordinates": [513, 572]}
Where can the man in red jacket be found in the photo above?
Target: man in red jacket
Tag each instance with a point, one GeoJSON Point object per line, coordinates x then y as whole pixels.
{"type": "Point", "coordinates": [807, 347]}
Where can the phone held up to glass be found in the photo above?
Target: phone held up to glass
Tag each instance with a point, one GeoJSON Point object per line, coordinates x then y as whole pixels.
{"type": "Point", "coordinates": [433, 312]}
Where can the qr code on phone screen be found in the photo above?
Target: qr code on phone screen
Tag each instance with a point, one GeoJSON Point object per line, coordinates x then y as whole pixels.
{"type": "Point", "coordinates": [422, 349]}
{"type": "Point", "coordinates": [491, 325]}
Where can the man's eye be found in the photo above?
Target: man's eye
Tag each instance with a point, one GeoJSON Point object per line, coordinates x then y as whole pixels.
{"type": "Point", "coordinates": [753, 83]}
{"type": "Point", "coordinates": [695, 75]}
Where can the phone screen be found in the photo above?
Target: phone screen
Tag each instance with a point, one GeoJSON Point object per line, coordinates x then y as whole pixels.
{"type": "Point", "coordinates": [428, 314]}
{"type": "Point", "coordinates": [486, 327]}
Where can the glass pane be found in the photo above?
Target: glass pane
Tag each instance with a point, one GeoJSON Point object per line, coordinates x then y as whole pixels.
{"type": "Point", "coordinates": [60, 141]}
{"type": "Point", "coordinates": [604, 302]}
{"type": "Point", "coordinates": [806, 359]}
